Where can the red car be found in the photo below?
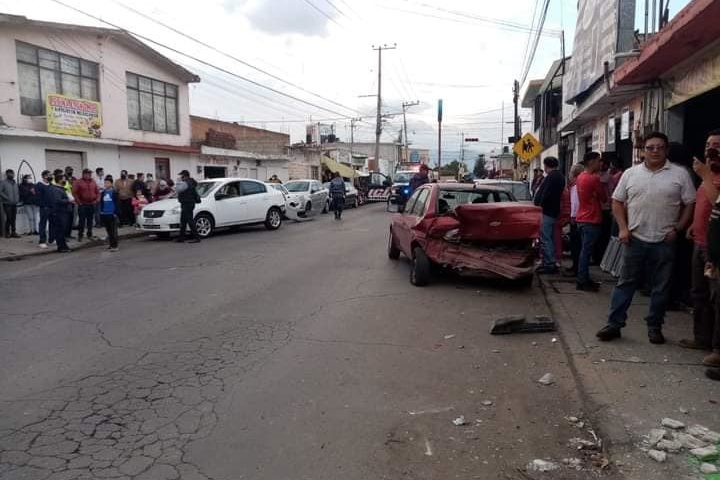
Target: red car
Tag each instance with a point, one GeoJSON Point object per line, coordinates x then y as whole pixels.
{"type": "Point", "coordinates": [474, 230]}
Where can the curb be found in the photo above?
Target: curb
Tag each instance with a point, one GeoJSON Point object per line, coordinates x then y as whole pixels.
{"type": "Point", "coordinates": [81, 246]}
{"type": "Point", "coordinates": [609, 427]}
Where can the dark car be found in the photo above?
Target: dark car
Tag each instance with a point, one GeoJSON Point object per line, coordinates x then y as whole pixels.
{"type": "Point", "coordinates": [351, 194]}
{"type": "Point", "coordinates": [472, 230]}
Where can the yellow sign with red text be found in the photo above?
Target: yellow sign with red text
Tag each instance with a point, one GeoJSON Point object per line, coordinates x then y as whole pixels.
{"type": "Point", "coordinates": [73, 116]}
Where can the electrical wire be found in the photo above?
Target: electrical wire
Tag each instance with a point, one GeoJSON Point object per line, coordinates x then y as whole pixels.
{"type": "Point", "coordinates": [322, 12]}
{"type": "Point", "coordinates": [541, 23]}
{"type": "Point", "coordinates": [203, 62]}
{"type": "Point", "coordinates": [228, 55]}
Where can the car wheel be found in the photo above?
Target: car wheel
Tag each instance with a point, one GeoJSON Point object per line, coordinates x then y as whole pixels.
{"type": "Point", "coordinates": [204, 224]}
{"type": "Point", "coordinates": [393, 250]}
{"type": "Point", "coordinates": [273, 220]}
{"type": "Point", "coordinates": [420, 271]}
{"type": "Point", "coordinates": [326, 208]}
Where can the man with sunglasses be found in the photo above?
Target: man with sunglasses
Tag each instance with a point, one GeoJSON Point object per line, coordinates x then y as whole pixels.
{"type": "Point", "coordinates": [653, 202]}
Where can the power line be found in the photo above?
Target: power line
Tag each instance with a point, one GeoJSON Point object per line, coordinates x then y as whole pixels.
{"type": "Point", "coordinates": [322, 12]}
{"type": "Point", "coordinates": [329, 2]}
{"type": "Point", "coordinates": [203, 62]}
{"type": "Point", "coordinates": [225, 54]}
{"type": "Point", "coordinates": [529, 39]}
{"type": "Point", "coordinates": [541, 23]}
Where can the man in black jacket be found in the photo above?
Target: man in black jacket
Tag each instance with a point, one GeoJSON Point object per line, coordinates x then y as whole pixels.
{"type": "Point", "coordinates": [60, 207]}
{"type": "Point", "coordinates": [188, 197]}
{"type": "Point", "coordinates": [548, 197]}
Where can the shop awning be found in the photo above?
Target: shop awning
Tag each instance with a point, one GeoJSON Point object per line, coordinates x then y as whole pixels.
{"type": "Point", "coordinates": [333, 166]}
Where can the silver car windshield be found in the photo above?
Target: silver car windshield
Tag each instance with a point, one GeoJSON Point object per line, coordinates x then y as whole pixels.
{"type": "Point", "coordinates": [204, 188]}
{"type": "Point", "coordinates": [297, 186]}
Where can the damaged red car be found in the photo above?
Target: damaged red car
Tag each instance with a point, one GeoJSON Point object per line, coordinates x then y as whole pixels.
{"type": "Point", "coordinates": [478, 231]}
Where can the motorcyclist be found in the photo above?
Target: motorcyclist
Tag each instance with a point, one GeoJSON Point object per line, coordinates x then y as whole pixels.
{"type": "Point", "coordinates": [337, 194]}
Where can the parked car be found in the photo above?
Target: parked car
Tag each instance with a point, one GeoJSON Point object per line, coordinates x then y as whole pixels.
{"type": "Point", "coordinates": [520, 190]}
{"type": "Point", "coordinates": [308, 195]}
{"type": "Point", "coordinates": [225, 202]}
{"type": "Point", "coordinates": [352, 197]}
{"type": "Point", "coordinates": [473, 230]}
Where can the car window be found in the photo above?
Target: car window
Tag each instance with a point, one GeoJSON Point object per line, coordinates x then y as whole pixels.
{"type": "Point", "coordinates": [231, 189]}
{"type": "Point", "coordinates": [296, 187]}
{"type": "Point", "coordinates": [411, 202]}
{"type": "Point", "coordinates": [449, 199]}
{"type": "Point", "coordinates": [252, 188]}
{"type": "Point", "coordinates": [419, 207]}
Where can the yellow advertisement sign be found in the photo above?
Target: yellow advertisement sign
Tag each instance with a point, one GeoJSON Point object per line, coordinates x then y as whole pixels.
{"type": "Point", "coordinates": [73, 116]}
{"type": "Point", "coordinates": [528, 147]}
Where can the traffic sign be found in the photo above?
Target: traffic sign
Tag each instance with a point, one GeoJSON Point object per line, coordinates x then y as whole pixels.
{"type": "Point", "coordinates": [528, 147]}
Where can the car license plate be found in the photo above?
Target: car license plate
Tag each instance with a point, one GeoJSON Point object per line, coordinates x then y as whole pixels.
{"type": "Point", "coordinates": [149, 221]}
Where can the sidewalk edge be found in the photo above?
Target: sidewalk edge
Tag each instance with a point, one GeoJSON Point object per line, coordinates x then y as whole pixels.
{"type": "Point", "coordinates": [81, 246]}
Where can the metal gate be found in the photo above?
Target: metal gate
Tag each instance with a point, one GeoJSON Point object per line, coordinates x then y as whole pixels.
{"type": "Point", "coordinates": [59, 159]}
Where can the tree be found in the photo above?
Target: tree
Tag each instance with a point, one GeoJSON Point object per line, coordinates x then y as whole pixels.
{"type": "Point", "coordinates": [480, 168]}
{"type": "Point", "coordinates": [450, 169]}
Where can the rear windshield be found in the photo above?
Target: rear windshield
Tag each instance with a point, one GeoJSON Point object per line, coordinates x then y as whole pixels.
{"type": "Point", "coordinates": [449, 199]}
{"type": "Point", "coordinates": [297, 186]}
{"type": "Point", "coordinates": [519, 190]}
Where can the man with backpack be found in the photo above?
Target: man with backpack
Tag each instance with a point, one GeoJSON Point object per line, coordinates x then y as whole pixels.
{"type": "Point", "coordinates": [188, 197]}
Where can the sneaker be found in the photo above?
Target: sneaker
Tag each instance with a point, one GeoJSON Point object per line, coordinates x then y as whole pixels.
{"type": "Point", "coordinates": [656, 337]}
{"type": "Point", "coordinates": [588, 287]}
{"type": "Point", "coordinates": [713, 373]}
{"type": "Point", "coordinates": [43, 246]}
{"type": "Point", "coordinates": [608, 332]}
{"type": "Point", "coordinates": [64, 250]}
{"type": "Point", "coordinates": [712, 360]}
{"type": "Point", "coordinates": [693, 345]}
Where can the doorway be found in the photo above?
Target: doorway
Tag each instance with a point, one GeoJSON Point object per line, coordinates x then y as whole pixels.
{"type": "Point", "coordinates": [214, 172]}
{"type": "Point", "coordinates": [162, 168]}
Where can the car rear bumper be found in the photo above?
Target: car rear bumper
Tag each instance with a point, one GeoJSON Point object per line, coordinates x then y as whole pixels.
{"type": "Point", "coordinates": [511, 264]}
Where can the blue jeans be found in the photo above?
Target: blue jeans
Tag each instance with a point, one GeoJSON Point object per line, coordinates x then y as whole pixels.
{"type": "Point", "coordinates": [44, 224]}
{"type": "Point", "coordinates": [640, 257]}
{"type": "Point", "coordinates": [589, 234]}
{"type": "Point", "coordinates": [547, 239]}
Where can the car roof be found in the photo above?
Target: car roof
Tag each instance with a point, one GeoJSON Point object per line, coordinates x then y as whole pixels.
{"type": "Point", "coordinates": [497, 180]}
{"type": "Point", "coordinates": [302, 180]}
{"type": "Point", "coordinates": [229, 179]}
{"type": "Point", "coordinates": [466, 187]}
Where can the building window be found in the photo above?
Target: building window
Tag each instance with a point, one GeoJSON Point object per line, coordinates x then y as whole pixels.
{"type": "Point", "coordinates": [152, 104]}
{"type": "Point", "coordinates": [42, 72]}
{"type": "Point", "coordinates": [315, 173]}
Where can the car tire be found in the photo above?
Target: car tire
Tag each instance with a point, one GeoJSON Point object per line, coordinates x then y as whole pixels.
{"type": "Point", "coordinates": [204, 224]}
{"type": "Point", "coordinates": [420, 269]}
{"type": "Point", "coordinates": [273, 219]}
{"type": "Point", "coordinates": [393, 250]}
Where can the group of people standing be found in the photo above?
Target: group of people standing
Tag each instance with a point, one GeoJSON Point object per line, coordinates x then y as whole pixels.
{"type": "Point", "coordinates": [654, 205]}
{"type": "Point", "coordinates": [52, 205]}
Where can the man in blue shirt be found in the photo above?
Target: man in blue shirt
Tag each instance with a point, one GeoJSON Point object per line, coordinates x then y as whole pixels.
{"type": "Point", "coordinates": [109, 207]}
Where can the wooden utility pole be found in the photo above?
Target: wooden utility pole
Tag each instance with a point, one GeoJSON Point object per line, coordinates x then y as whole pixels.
{"type": "Point", "coordinates": [516, 134]}
{"type": "Point", "coordinates": [378, 127]}
{"type": "Point", "coordinates": [405, 106]}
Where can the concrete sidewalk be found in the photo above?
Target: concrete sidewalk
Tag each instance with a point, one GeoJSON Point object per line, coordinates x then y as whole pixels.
{"type": "Point", "coordinates": [17, 248]}
{"type": "Point", "coordinates": [630, 384]}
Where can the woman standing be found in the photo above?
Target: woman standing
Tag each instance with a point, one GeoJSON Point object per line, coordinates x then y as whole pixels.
{"type": "Point", "coordinates": [30, 201]}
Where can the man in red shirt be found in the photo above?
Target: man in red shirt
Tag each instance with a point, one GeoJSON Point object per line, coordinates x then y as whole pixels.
{"type": "Point", "coordinates": [592, 194]}
{"type": "Point", "coordinates": [86, 195]}
{"type": "Point", "coordinates": [703, 313]}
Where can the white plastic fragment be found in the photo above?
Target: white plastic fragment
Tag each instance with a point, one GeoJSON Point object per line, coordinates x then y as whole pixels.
{"type": "Point", "coordinates": [487, 403]}
{"type": "Point", "coordinates": [539, 465]}
{"type": "Point", "coordinates": [459, 421]}
{"type": "Point", "coordinates": [449, 337]}
{"type": "Point", "coordinates": [547, 379]}
{"type": "Point", "coordinates": [657, 455]}
{"type": "Point", "coordinates": [674, 424]}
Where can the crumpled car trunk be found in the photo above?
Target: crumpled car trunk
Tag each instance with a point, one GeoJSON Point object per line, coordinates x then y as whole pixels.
{"type": "Point", "coordinates": [486, 240]}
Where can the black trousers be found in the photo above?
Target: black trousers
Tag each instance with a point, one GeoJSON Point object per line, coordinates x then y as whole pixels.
{"type": "Point", "coordinates": [86, 216]}
{"type": "Point", "coordinates": [58, 223]}
{"type": "Point", "coordinates": [575, 245]}
{"type": "Point", "coordinates": [111, 227]}
{"type": "Point", "coordinates": [10, 218]}
{"type": "Point", "coordinates": [187, 219]}
{"type": "Point", "coordinates": [126, 212]}
{"type": "Point", "coordinates": [338, 204]}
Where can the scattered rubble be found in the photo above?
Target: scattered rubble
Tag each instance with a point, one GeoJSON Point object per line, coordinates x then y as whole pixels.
{"type": "Point", "coordinates": [635, 360]}
{"type": "Point", "coordinates": [705, 453]}
{"type": "Point", "coordinates": [539, 465]}
{"type": "Point", "coordinates": [449, 337]}
{"type": "Point", "coordinates": [459, 421]}
{"type": "Point", "coordinates": [487, 403]}
{"type": "Point", "coordinates": [704, 434]}
{"type": "Point", "coordinates": [688, 441]}
{"type": "Point", "coordinates": [655, 435]}
{"type": "Point", "coordinates": [575, 463]}
{"type": "Point", "coordinates": [657, 455]}
{"type": "Point", "coordinates": [673, 424]}
{"type": "Point", "coordinates": [547, 379]}
{"type": "Point", "coordinates": [670, 446]}
{"type": "Point", "coordinates": [582, 444]}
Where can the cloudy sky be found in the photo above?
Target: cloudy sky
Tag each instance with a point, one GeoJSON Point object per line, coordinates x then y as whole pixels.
{"type": "Point", "coordinates": [467, 52]}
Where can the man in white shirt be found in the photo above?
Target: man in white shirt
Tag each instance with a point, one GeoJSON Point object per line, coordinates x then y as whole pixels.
{"type": "Point", "coordinates": [652, 203]}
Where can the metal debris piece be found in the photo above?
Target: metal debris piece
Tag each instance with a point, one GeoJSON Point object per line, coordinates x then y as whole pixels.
{"type": "Point", "coordinates": [547, 379]}
{"type": "Point", "coordinates": [519, 324]}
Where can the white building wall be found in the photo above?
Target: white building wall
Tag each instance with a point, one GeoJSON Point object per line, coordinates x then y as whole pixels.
{"type": "Point", "coordinates": [114, 59]}
{"type": "Point", "coordinates": [136, 160]}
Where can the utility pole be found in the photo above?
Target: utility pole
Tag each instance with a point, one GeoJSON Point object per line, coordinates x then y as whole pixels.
{"type": "Point", "coordinates": [440, 115]}
{"type": "Point", "coordinates": [405, 106]}
{"type": "Point", "coordinates": [352, 136]}
{"type": "Point", "coordinates": [462, 147]}
{"type": "Point", "coordinates": [516, 96]}
{"type": "Point", "coordinates": [378, 126]}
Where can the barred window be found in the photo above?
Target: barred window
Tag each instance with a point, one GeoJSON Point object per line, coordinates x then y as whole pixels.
{"type": "Point", "coordinates": [42, 72]}
{"type": "Point", "coordinates": [152, 104]}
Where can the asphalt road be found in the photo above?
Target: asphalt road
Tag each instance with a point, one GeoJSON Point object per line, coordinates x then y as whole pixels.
{"type": "Point", "coordinates": [303, 353]}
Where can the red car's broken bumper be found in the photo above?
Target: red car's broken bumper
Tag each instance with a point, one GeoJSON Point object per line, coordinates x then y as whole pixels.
{"type": "Point", "coordinates": [470, 260]}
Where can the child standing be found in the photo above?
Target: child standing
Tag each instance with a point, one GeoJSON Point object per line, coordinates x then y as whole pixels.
{"type": "Point", "coordinates": [138, 204]}
{"type": "Point", "coordinates": [109, 207]}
